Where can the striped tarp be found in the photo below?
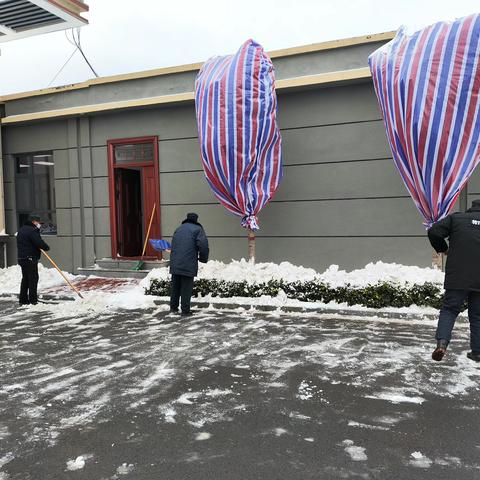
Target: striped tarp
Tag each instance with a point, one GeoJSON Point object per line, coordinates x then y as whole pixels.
{"type": "Point", "coordinates": [428, 85]}
{"type": "Point", "coordinates": [240, 142]}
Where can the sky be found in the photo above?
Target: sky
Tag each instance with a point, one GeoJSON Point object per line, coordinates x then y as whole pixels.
{"type": "Point", "coordinates": [127, 36]}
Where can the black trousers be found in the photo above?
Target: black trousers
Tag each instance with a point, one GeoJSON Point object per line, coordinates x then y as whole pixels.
{"type": "Point", "coordinates": [182, 286]}
{"type": "Point", "coordinates": [28, 287]}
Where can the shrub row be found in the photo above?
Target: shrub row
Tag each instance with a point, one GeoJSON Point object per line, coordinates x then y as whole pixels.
{"type": "Point", "coordinates": [380, 295]}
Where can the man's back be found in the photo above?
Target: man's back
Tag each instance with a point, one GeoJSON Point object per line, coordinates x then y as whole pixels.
{"type": "Point", "coordinates": [189, 245]}
{"type": "Point", "coordinates": [463, 260]}
{"type": "Point", "coordinates": [29, 242]}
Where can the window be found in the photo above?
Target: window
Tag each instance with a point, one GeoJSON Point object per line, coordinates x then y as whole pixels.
{"type": "Point", "coordinates": [134, 153]}
{"type": "Point", "coordinates": [35, 189]}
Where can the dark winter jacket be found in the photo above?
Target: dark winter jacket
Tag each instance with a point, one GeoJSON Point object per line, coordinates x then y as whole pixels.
{"type": "Point", "coordinates": [189, 246]}
{"type": "Point", "coordinates": [462, 230]}
{"type": "Point", "coordinates": [29, 242]}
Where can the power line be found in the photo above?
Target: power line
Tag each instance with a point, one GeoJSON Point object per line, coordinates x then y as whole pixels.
{"type": "Point", "coordinates": [79, 46]}
{"type": "Point", "coordinates": [63, 66]}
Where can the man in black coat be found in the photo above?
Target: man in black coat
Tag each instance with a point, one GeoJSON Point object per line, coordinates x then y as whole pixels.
{"type": "Point", "coordinates": [189, 246]}
{"type": "Point", "coordinates": [29, 243]}
{"type": "Point", "coordinates": [462, 275]}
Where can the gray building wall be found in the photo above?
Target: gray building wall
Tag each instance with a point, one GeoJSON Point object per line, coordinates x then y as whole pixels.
{"type": "Point", "coordinates": [341, 201]}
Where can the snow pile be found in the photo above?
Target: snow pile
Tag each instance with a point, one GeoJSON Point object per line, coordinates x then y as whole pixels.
{"type": "Point", "coordinates": [11, 277]}
{"type": "Point", "coordinates": [242, 270]}
{"type": "Point", "coordinates": [373, 273]}
{"type": "Point", "coordinates": [76, 464]}
{"type": "Point", "coordinates": [92, 303]}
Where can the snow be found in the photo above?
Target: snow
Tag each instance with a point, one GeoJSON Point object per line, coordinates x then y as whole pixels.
{"type": "Point", "coordinates": [357, 454]}
{"type": "Point", "coordinates": [76, 464]}
{"type": "Point", "coordinates": [202, 436]}
{"type": "Point", "coordinates": [132, 297]}
{"type": "Point", "coordinates": [125, 469]}
{"type": "Point", "coordinates": [11, 277]}
{"type": "Point", "coordinates": [239, 271]}
{"type": "Point", "coordinates": [420, 460]}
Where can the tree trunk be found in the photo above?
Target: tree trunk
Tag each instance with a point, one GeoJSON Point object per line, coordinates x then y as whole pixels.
{"type": "Point", "coordinates": [251, 245]}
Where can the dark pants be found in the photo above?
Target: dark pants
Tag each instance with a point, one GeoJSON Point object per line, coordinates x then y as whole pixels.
{"type": "Point", "coordinates": [28, 287]}
{"type": "Point", "coordinates": [452, 304]}
{"type": "Point", "coordinates": [182, 286]}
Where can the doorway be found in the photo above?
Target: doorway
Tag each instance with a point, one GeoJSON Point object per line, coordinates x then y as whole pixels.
{"type": "Point", "coordinates": [134, 195]}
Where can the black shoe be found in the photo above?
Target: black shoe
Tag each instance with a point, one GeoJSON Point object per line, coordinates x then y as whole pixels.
{"type": "Point", "coordinates": [440, 351]}
{"type": "Point", "coordinates": [473, 356]}
{"type": "Point", "coordinates": [187, 314]}
{"type": "Point", "coordinates": [174, 310]}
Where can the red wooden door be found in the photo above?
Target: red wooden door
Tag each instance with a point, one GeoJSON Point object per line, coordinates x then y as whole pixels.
{"type": "Point", "coordinates": [150, 199]}
{"type": "Point", "coordinates": [134, 190]}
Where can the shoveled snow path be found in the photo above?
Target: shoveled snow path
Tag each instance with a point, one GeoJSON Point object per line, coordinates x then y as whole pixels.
{"type": "Point", "coordinates": [256, 396]}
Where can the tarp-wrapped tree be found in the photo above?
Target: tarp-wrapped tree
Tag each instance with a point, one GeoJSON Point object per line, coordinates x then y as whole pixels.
{"type": "Point", "coordinates": [239, 138]}
{"type": "Point", "coordinates": [428, 86]}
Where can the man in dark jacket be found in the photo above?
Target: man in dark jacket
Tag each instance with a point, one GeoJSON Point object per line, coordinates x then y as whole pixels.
{"type": "Point", "coordinates": [462, 275]}
{"type": "Point", "coordinates": [29, 243]}
{"type": "Point", "coordinates": [189, 246]}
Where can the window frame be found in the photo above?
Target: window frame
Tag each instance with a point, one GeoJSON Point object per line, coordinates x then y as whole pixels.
{"type": "Point", "coordinates": [52, 211]}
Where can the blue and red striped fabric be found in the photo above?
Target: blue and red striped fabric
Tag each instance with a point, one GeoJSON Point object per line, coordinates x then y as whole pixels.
{"type": "Point", "coordinates": [428, 86]}
{"type": "Point", "coordinates": [240, 141]}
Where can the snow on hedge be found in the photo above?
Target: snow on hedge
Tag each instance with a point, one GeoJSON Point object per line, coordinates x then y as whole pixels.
{"type": "Point", "coordinates": [373, 273]}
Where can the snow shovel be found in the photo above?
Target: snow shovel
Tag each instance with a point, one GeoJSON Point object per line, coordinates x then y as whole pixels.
{"type": "Point", "coordinates": [140, 263]}
{"type": "Point", "coordinates": [62, 274]}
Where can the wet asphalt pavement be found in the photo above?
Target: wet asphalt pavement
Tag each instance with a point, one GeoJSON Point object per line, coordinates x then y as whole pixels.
{"type": "Point", "coordinates": [236, 395]}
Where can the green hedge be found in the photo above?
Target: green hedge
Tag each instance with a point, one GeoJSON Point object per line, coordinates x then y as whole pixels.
{"type": "Point", "coordinates": [380, 295]}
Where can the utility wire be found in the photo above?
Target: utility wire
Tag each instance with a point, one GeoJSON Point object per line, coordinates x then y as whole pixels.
{"type": "Point", "coordinates": [63, 66]}
{"type": "Point", "coordinates": [78, 47]}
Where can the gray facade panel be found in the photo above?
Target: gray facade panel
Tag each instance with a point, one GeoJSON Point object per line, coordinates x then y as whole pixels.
{"type": "Point", "coordinates": [377, 217]}
{"type": "Point", "coordinates": [8, 168]}
{"type": "Point", "coordinates": [35, 137]}
{"type": "Point", "coordinates": [100, 191]}
{"type": "Point", "coordinates": [9, 195]}
{"type": "Point", "coordinates": [103, 247]}
{"type": "Point", "coordinates": [167, 123]}
{"type": "Point", "coordinates": [335, 143]}
{"type": "Point", "coordinates": [64, 221]}
{"type": "Point", "coordinates": [99, 161]}
{"type": "Point", "coordinates": [73, 162]}
{"type": "Point", "coordinates": [326, 106]}
{"type": "Point", "coordinates": [185, 188]}
{"type": "Point", "coordinates": [10, 222]}
{"type": "Point", "coordinates": [62, 193]}
{"type": "Point", "coordinates": [355, 56]}
{"type": "Point", "coordinates": [179, 155]}
{"type": "Point", "coordinates": [62, 164]}
{"type": "Point", "coordinates": [364, 179]}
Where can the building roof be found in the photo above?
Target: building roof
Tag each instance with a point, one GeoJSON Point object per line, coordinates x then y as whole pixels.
{"type": "Point", "coordinates": [174, 85]}
{"type": "Point", "coordinates": [25, 18]}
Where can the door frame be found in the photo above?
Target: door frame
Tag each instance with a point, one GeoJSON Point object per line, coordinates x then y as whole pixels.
{"type": "Point", "coordinates": [111, 184]}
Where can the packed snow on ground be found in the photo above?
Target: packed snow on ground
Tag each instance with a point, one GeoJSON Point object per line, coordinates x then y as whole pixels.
{"type": "Point", "coordinates": [11, 277]}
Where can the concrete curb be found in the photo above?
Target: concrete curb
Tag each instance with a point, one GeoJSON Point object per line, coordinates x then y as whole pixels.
{"type": "Point", "coordinates": [319, 310]}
